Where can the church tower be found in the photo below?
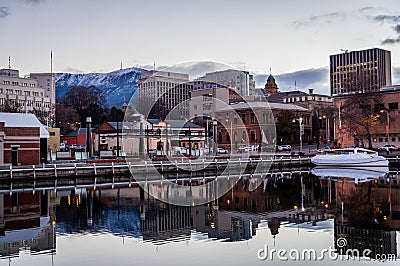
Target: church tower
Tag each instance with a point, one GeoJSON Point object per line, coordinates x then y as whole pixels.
{"type": "Point", "coordinates": [270, 87]}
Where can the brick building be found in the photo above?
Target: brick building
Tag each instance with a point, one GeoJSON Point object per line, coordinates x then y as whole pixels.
{"type": "Point", "coordinates": [23, 139]}
{"type": "Point", "coordinates": [389, 98]}
{"type": "Point", "coordinates": [251, 122]}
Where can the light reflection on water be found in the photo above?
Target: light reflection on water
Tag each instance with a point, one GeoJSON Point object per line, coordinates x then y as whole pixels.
{"type": "Point", "coordinates": [125, 226]}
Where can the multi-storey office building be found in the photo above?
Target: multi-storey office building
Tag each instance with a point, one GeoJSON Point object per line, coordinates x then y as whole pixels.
{"type": "Point", "coordinates": [240, 81]}
{"type": "Point", "coordinates": [29, 94]}
{"type": "Point", "coordinates": [160, 92]}
{"type": "Point", "coordinates": [359, 71]}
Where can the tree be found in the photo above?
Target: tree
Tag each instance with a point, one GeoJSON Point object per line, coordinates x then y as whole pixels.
{"type": "Point", "coordinates": [285, 127]}
{"type": "Point", "coordinates": [10, 106]}
{"type": "Point", "coordinates": [66, 118]}
{"type": "Point", "coordinates": [359, 115]}
{"type": "Point", "coordinates": [114, 114]}
{"type": "Point", "coordinates": [87, 101]}
{"type": "Point", "coordinates": [43, 116]}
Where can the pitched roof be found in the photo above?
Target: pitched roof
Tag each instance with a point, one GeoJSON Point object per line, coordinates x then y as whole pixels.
{"type": "Point", "coordinates": [23, 120]}
{"type": "Point", "coordinates": [272, 106]}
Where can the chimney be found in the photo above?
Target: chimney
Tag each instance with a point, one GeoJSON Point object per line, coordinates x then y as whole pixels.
{"type": "Point", "coordinates": [310, 91]}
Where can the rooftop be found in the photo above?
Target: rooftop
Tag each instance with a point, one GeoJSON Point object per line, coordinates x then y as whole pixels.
{"type": "Point", "coordinates": [23, 120]}
{"type": "Point", "coordinates": [255, 105]}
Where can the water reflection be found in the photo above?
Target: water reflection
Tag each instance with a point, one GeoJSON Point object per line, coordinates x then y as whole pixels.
{"type": "Point", "coordinates": [366, 213]}
{"type": "Point", "coordinates": [26, 223]}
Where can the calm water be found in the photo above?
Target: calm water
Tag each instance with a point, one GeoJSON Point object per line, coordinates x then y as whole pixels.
{"type": "Point", "coordinates": [128, 227]}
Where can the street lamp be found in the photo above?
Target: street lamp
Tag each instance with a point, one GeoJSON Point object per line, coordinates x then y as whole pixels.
{"type": "Point", "coordinates": [387, 123]}
{"type": "Point", "coordinates": [215, 148]}
{"type": "Point", "coordinates": [230, 132]}
{"type": "Point", "coordinates": [139, 118]}
{"type": "Point", "coordinates": [89, 136]}
{"type": "Point", "coordinates": [327, 127]}
{"type": "Point", "coordinates": [301, 126]}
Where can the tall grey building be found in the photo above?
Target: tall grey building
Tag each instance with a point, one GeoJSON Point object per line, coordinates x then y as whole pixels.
{"type": "Point", "coordinates": [239, 81]}
{"type": "Point", "coordinates": [360, 71]}
{"type": "Point", "coordinates": [160, 92]}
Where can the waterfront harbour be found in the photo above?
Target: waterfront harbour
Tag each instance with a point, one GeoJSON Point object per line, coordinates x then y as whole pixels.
{"type": "Point", "coordinates": [290, 209]}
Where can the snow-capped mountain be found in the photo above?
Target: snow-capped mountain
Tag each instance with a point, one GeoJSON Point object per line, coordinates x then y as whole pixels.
{"type": "Point", "coordinates": [116, 85]}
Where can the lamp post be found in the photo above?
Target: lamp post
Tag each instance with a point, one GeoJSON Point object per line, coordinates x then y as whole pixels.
{"type": "Point", "coordinates": [230, 132]}
{"type": "Point", "coordinates": [215, 146]}
{"type": "Point", "coordinates": [89, 136]}
{"type": "Point", "coordinates": [301, 126]}
{"type": "Point", "coordinates": [139, 118]}
{"type": "Point", "coordinates": [327, 133]}
{"type": "Point", "coordinates": [387, 123]}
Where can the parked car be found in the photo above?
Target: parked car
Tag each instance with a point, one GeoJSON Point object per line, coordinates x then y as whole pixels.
{"type": "Point", "coordinates": [152, 152]}
{"type": "Point", "coordinates": [284, 147]}
{"type": "Point", "coordinates": [388, 147]}
{"type": "Point", "coordinates": [77, 147]}
{"type": "Point", "coordinates": [248, 148]}
{"type": "Point", "coordinates": [222, 151]}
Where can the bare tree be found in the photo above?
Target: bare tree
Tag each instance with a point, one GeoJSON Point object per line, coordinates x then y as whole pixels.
{"type": "Point", "coordinates": [87, 101]}
{"type": "Point", "coordinates": [10, 106]}
{"type": "Point", "coordinates": [361, 118]}
{"type": "Point", "coordinates": [66, 118]}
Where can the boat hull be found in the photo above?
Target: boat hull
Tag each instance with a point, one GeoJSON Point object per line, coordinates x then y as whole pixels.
{"type": "Point", "coordinates": [371, 163]}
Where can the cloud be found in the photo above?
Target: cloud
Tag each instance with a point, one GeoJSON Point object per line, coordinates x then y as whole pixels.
{"type": "Point", "coordinates": [391, 40]}
{"type": "Point", "coordinates": [4, 12]}
{"type": "Point", "coordinates": [324, 18]}
{"type": "Point", "coordinates": [195, 69]}
{"type": "Point", "coordinates": [386, 18]}
{"type": "Point", "coordinates": [314, 78]}
{"type": "Point", "coordinates": [396, 75]}
{"type": "Point", "coordinates": [34, 2]}
{"type": "Point", "coordinates": [73, 70]}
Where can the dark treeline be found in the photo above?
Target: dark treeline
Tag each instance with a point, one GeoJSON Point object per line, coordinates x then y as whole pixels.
{"type": "Point", "coordinates": [80, 102]}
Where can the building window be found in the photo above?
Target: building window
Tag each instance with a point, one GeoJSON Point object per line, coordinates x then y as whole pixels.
{"type": "Point", "coordinates": [243, 118]}
{"type": "Point", "coordinates": [244, 138]}
{"type": "Point", "coordinates": [379, 107]}
{"type": "Point", "coordinates": [252, 135]}
{"type": "Point", "coordinates": [252, 118]}
{"type": "Point", "coordinates": [393, 106]}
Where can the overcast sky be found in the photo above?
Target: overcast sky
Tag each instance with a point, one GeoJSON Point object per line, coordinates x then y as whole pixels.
{"type": "Point", "coordinates": [287, 36]}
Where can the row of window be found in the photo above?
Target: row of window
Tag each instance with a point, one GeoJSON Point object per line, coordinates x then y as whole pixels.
{"type": "Point", "coordinates": [385, 140]}
{"type": "Point", "coordinates": [305, 98]}
{"type": "Point", "coordinates": [21, 103]}
{"type": "Point", "coordinates": [16, 83]}
{"type": "Point", "coordinates": [391, 106]}
{"type": "Point", "coordinates": [20, 92]}
{"type": "Point", "coordinates": [252, 136]}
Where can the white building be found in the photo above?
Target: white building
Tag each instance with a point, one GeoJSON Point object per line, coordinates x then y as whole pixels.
{"type": "Point", "coordinates": [35, 93]}
{"type": "Point", "coordinates": [162, 92]}
{"type": "Point", "coordinates": [240, 81]}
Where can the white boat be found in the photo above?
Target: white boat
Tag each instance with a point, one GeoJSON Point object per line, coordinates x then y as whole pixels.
{"type": "Point", "coordinates": [352, 174]}
{"type": "Point", "coordinates": [350, 157]}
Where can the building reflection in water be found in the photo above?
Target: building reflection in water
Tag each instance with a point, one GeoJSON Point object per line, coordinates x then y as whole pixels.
{"type": "Point", "coordinates": [27, 220]}
{"type": "Point", "coordinates": [27, 223]}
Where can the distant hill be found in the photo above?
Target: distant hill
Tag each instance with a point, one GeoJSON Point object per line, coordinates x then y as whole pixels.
{"type": "Point", "coordinates": [116, 85]}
